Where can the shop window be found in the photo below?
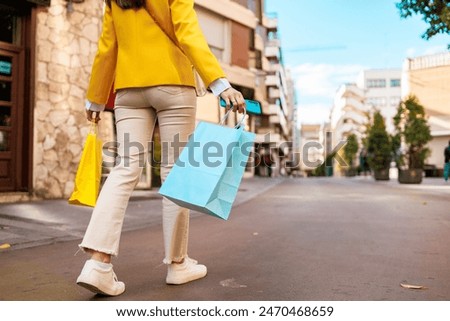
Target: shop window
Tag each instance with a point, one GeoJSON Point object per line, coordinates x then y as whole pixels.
{"type": "Point", "coordinates": [9, 27]}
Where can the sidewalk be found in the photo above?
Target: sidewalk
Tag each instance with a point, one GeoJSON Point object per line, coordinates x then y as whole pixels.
{"type": "Point", "coordinates": [29, 224]}
{"type": "Point", "coordinates": [429, 186]}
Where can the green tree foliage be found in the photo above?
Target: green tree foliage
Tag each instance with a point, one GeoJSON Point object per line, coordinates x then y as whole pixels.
{"type": "Point", "coordinates": [436, 13]}
{"type": "Point", "coordinates": [350, 149]}
{"type": "Point", "coordinates": [379, 149]}
{"type": "Point", "coordinates": [326, 167]}
{"type": "Point", "coordinates": [412, 130]}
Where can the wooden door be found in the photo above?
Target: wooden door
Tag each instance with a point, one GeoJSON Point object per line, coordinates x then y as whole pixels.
{"type": "Point", "coordinates": [10, 117]}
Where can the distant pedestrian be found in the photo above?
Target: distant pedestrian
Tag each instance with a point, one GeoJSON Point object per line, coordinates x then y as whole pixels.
{"type": "Point", "coordinates": [364, 166]}
{"type": "Point", "coordinates": [150, 63]}
{"type": "Point", "coordinates": [447, 162]}
{"type": "Point", "coordinates": [268, 162]}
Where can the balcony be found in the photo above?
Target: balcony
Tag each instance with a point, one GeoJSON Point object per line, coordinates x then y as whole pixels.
{"type": "Point", "coordinates": [268, 109]}
{"type": "Point", "coordinates": [259, 42]}
{"type": "Point", "coordinates": [356, 117]}
{"type": "Point", "coordinates": [273, 43]}
{"type": "Point", "coordinates": [272, 52]}
{"type": "Point", "coordinates": [350, 90]}
{"type": "Point", "coordinates": [351, 104]}
{"type": "Point", "coordinates": [266, 66]}
{"type": "Point", "coordinates": [272, 81]}
{"type": "Point", "coordinates": [274, 93]}
{"type": "Point", "coordinates": [274, 119]}
{"type": "Point", "coordinates": [275, 67]}
{"type": "Point", "coordinates": [271, 23]}
{"type": "Point", "coordinates": [272, 110]}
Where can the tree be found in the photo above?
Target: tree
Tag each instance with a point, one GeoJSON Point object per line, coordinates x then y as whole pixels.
{"type": "Point", "coordinates": [326, 169]}
{"type": "Point", "coordinates": [378, 144]}
{"type": "Point", "coordinates": [436, 13]}
{"type": "Point", "coordinates": [412, 130]}
{"type": "Point", "coordinates": [350, 149]}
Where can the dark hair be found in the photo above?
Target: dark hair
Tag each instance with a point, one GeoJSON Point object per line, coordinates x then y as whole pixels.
{"type": "Point", "coordinates": [127, 4]}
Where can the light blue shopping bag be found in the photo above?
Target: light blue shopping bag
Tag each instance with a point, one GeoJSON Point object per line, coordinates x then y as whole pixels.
{"type": "Point", "coordinates": [207, 175]}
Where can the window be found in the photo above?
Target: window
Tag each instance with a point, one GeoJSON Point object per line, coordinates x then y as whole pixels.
{"type": "Point", "coordinates": [376, 83]}
{"type": "Point", "coordinates": [395, 82]}
{"type": "Point", "coordinates": [377, 101]}
{"type": "Point", "coordinates": [9, 27]}
{"type": "Point", "coordinates": [217, 33]}
{"type": "Point", "coordinates": [240, 45]}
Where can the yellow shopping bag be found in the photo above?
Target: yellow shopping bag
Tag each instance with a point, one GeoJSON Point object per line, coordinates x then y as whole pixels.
{"type": "Point", "coordinates": [87, 180]}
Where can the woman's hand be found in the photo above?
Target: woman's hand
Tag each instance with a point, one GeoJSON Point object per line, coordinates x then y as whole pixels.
{"type": "Point", "coordinates": [93, 116]}
{"type": "Point", "coordinates": [233, 97]}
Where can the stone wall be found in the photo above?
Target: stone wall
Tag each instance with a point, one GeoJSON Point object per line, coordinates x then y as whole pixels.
{"type": "Point", "coordinates": [66, 47]}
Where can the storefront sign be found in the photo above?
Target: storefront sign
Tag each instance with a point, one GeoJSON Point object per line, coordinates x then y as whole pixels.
{"type": "Point", "coordinates": [5, 67]}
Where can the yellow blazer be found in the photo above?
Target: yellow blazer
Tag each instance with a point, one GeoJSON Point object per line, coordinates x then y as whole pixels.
{"type": "Point", "coordinates": [134, 52]}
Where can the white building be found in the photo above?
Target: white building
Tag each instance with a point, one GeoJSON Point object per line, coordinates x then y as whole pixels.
{"type": "Point", "coordinates": [349, 113]}
{"type": "Point", "coordinates": [375, 89]}
{"type": "Point", "coordinates": [312, 150]}
{"type": "Point", "coordinates": [382, 91]}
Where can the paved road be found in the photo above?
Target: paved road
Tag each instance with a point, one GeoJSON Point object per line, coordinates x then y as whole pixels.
{"type": "Point", "coordinates": [304, 239]}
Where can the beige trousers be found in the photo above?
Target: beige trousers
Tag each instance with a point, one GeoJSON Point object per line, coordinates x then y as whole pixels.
{"type": "Point", "coordinates": [136, 111]}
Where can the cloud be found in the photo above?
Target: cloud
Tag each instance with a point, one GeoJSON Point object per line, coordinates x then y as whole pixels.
{"type": "Point", "coordinates": [317, 113]}
{"type": "Point", "coordinates": [323, 80]}
{"type": "Point", "coordinates": [435, 49]}
{"type": "Point", "coordinates": [413, 52]}
{"type": "Point", "coordinates": [316, 85]}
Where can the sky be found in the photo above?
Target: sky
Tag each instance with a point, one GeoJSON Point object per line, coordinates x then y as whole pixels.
{"type": "Point", "coordinates": [326, 43]}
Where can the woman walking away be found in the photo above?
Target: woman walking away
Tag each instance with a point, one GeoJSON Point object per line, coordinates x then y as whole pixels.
{"type": "Point", "coordinates": [147, 49]}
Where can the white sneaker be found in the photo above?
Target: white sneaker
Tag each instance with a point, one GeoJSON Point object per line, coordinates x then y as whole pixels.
{"type": "Point", "coordinates": [185, 272]}
{"type": "Point", "coordinates": [100, 278]}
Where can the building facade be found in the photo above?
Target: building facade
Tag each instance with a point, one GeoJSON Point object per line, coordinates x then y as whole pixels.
{"type": "Point", "coordinates": [354, 103]}
{"type": "Point", "coordinates": [382, 91]}
{"type": "Point", "coordinates": [349, 112]}
{"type": "Point", "coordinates": [46, 53]}
{"type": "Point", "coordinates": [349, 115]}
{"type": "Point", "coordinates": [277, 128]}
{"type": "Point", "coordinates": [312, 148]}
{"type": "Point", "coordinates": [428, 78]}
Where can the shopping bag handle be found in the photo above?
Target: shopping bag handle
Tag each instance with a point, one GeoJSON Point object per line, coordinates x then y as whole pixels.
{"type": "Point", "coordinates": [239, 124]}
